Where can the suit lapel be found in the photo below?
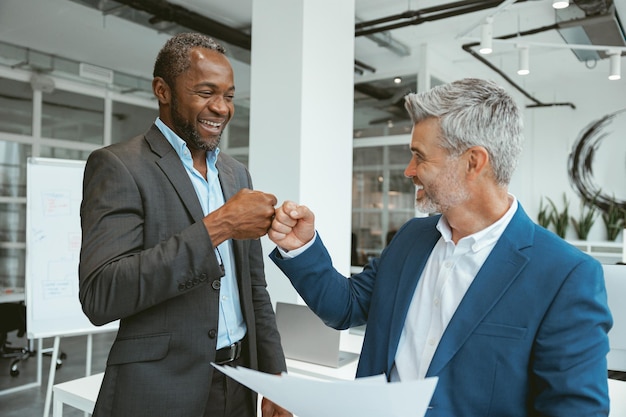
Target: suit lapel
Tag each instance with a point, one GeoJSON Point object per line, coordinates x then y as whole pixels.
{"type": "Point", "coordinates": [419, 250]}
{"type": "Point", "coordinates": [174, 170]}
{"type": "Point", "coordinates": [501, 268]}
{"type": "Point", "coordinates": [227, 179]}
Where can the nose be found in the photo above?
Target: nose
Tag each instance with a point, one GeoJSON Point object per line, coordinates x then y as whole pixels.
{"type": "Point", "coordinates": [409, 171]}
{"type": "Point", "coordinates": [218, 105]}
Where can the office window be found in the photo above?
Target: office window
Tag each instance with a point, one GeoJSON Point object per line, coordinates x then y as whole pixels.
{"type": "Point", "coordinates": [382, 198]}
{"type": "Point", "coordinates": [72, 116]}
{"type": "Point", "coordinates": [129, 120]}
{"type": "Point", "coordinates": [12, 267]}
{"type": "Point", "coordinates": [16, 107]}
{"type": "Point", "coordinates": [64, 153]}
{"type": "Point", "coordinates": [239, 126]}
{"type": "Point", "coordinates": [13, 168]}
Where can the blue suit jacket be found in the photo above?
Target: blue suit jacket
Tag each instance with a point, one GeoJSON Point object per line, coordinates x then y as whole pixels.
{"type": "Point", "coordinates": [528, 338]}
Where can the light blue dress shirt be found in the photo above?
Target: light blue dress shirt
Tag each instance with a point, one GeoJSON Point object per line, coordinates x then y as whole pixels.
{"type": "Point", "coordinates": [231, 326]}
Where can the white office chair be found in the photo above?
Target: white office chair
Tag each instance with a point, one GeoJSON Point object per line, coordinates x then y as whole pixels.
{"type": "Point", "coordinates": [615, 280]}
{"type": "Point", "coordinates": [617, 395]}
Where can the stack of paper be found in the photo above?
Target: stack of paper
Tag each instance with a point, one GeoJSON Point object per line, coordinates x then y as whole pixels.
{"type": "Point", "coordinates": [364, 397]}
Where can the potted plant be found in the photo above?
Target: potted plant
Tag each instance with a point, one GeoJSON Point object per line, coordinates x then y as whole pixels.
{"type": "Point", "coordinates": [586, 219]}
{"type": "Point", "coordinates": [613, 218]}
{"type": "Point", "coordinates": [560, 220]}
{"type": "Point", "coordinates": [543, 217]}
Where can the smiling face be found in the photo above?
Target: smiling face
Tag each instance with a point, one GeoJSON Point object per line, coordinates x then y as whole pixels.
{"type": "Point", "coordinates": [437, 176]}
{"type": "Point", "coordinates": [200, 103]}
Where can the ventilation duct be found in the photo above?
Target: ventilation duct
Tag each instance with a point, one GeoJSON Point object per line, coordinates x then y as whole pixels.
{"type": "Point", "coordinates": [602, 27]}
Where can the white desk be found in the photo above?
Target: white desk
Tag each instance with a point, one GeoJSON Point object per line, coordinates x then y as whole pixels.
{"type": "Point", "coordinates": [617, 394]}
{"type": "Point", "coordinates": [80, 393]}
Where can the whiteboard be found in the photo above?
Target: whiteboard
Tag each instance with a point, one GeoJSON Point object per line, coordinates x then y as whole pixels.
{"type": "Point", "coordinates": [53, 239]}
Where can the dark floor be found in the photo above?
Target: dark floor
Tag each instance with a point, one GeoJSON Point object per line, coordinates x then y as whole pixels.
{"type": "Point", "coordinates": [30, 402]}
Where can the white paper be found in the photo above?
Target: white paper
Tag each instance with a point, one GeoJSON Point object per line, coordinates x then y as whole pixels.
{"type": "Point", "coordinates": [363, 397]}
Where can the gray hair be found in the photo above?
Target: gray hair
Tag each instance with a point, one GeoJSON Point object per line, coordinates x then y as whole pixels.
{"type": "Point", "coordinates": [474, 112]}
{"type": "Point", "coordinates": [173, 59]}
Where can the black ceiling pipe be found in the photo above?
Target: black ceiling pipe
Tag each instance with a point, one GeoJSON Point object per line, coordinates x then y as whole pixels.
{"type": "Point", "coordinates": [409, 14]}
{"type": "Point", "coordinates": [420, 16]}
{"type": "Point", "coordinates": [468, 48]}
{"type": "Point", "coordinates": [560, 25]}
{"type": "Point", "coordinates": [164, 11]}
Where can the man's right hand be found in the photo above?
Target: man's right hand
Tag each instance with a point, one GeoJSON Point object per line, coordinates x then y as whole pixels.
{"type": "Point", "coordinates": [246, 215]}
{"type": "Point", "coordinates": [293, 226]}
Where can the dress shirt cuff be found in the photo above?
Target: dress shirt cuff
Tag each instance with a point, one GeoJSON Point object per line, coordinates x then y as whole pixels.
{"type": "Point", "coordinates": [293, 253]}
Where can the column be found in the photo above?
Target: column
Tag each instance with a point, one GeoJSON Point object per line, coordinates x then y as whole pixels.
{"type": "Point", "coordinates": [301, 105]}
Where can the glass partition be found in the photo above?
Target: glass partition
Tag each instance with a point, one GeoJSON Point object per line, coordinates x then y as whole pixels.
{"type": "Point", "coordinates": [129, 120]}
{"type": "Point", "coordinates": [16, 107]}
{"type": "Point", "coordinates": [382, 198]}
{"type": "Point", "coordinates": [70, 116]}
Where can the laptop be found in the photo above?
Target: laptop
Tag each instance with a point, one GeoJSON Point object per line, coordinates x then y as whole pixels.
{"type": "Point", "coordinates": [306, 338]}
{"type": "Point", "coordinates": [615, 281]}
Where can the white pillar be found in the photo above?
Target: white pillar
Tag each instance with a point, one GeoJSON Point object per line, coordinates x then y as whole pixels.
{"type": "Point", "coordinates": [301, 106]}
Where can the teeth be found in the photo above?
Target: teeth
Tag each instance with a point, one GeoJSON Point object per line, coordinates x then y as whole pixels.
{"type": "Point", "coordinates": [419, 187]}
{"type": "Point", "coordinates": [208, 122]}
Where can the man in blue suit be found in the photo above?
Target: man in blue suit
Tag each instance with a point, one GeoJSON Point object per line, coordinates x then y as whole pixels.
{"type": "Point", "coordinates": [510, 318]}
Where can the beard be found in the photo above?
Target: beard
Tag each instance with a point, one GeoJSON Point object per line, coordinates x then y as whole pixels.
{"type": "Point", "coordinates": [445, 193]}
{"type": "Point", "coordinates": [189, 133]}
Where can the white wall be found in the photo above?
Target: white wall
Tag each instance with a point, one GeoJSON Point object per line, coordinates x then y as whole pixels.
{"type": "Point", "coordinates": [550, 136]}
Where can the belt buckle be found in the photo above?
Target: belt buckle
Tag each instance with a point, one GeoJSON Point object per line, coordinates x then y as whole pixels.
{"type": "Point", "coordinates": [234, 351]}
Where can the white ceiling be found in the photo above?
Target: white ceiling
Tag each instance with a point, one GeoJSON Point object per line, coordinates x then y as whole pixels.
{"type": "Point", "coordinates": [75, 31]}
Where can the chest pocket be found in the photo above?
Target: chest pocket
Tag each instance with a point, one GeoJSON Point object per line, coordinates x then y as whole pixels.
{"type": "Point", "coordinates": [500, 330]}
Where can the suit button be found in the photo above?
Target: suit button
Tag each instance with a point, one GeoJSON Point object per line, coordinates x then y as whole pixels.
{"type": "Point", "coordinates": [181, 287]}
{"type": "Point", "coordinates": [203, 277]}
{"type": "Point", "coordinates": [188, 284]}
{"type": "Point", "coordinates": [212, 333]}
{"type": "Point", "coordinates": [196, 281]}
{"type": "Point", "coordinates": [217, 284]}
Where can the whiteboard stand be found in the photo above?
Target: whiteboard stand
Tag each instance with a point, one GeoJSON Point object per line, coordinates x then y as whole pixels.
{"type": "Point", "coordinates": [53, 239]}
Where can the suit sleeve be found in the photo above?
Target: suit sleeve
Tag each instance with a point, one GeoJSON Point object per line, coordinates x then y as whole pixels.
{"type": "Point", "coordinates": [120, 272]}
{"type": "Point", "coordinates": [339, 301]}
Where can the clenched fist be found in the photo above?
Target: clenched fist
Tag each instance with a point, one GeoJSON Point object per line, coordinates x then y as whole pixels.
{"type": "Point", "coordinates": [293, 226]}
{"type": "Point", "coordinates": [246, 215]}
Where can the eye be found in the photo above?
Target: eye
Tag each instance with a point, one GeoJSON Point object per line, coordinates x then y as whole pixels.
{"type": "Point", "coordinates": [204, 93]}
{"type": "Point", "coordinates": [417, 157]}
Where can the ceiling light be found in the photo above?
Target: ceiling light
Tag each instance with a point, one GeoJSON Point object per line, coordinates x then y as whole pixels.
{"type": "Point", "coordinates": [397, 80]}
{"type": "Point", "coordinates": [523, 67]}
{"type": "Point", "coordinates": [486, 36]}
{"type": "Point", "coordinates": [615, 72]}
{"type": "Point", "coordinates": [560, 4]}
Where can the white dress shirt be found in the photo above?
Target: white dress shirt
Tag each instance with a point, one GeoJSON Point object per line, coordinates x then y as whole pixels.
{"type": "Point", "coordinates": [448, 273]}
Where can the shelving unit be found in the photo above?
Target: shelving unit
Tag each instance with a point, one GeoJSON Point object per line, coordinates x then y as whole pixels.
{"type": "Point", "coordinates": [604, 251]}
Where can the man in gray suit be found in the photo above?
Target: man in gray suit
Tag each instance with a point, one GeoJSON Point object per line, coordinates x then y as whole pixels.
{"type": "Point", "coordinates": [170, 230]}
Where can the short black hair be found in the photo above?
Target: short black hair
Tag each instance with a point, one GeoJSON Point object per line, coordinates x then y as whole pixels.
{"type": "Point", "coordinates": [173, 58]}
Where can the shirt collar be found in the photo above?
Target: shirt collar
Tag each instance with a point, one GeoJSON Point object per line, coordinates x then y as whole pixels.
{"type": "Point", "coordinates": [484, 237]}
{"type": "Point", "coordinates": [180, 146]}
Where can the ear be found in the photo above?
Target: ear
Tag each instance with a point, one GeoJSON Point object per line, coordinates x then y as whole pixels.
{"type": "Point", "coordinates": [161, 90]}
{"type": "Point", "coordinates": [477, 159]}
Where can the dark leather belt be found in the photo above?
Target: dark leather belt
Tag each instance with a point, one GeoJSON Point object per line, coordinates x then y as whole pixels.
{"type": "Point", "coordinates": [229, 353]}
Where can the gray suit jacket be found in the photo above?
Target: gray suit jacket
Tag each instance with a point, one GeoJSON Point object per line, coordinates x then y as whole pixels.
{"type": "Point", "coordinates": [147, 259]}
